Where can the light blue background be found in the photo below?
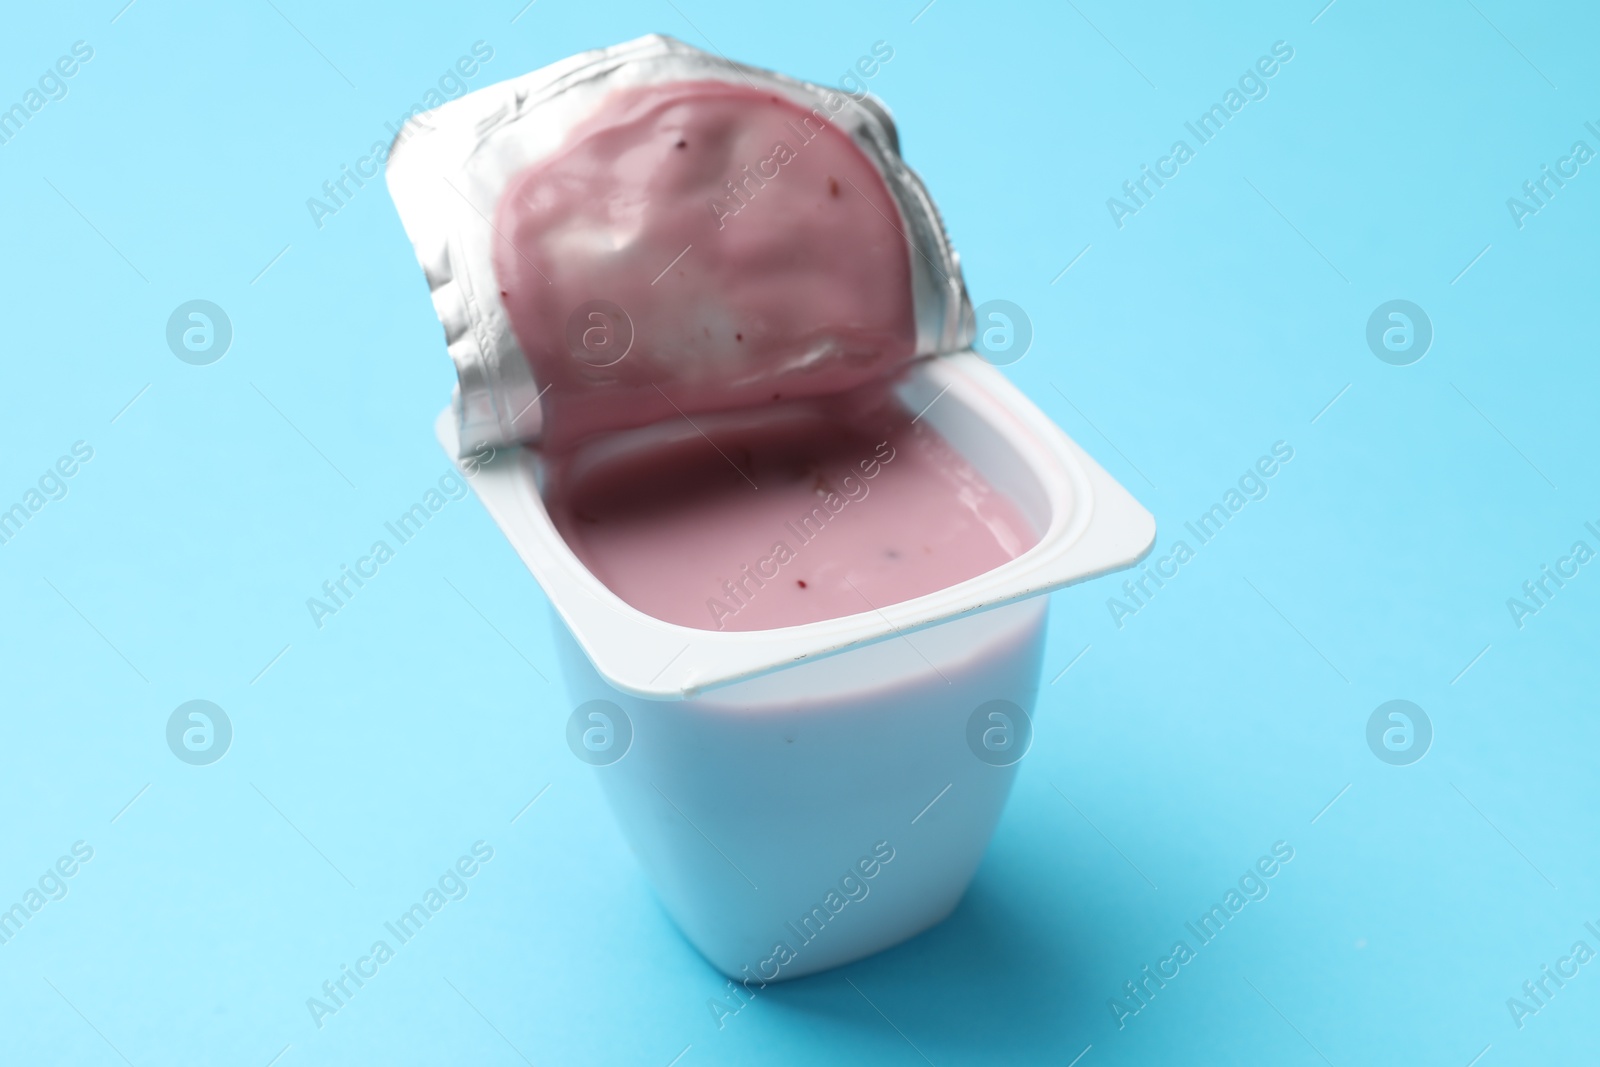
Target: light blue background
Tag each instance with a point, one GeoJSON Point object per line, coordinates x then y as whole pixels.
{"type": "Point", "coordinates": [1220, 719]}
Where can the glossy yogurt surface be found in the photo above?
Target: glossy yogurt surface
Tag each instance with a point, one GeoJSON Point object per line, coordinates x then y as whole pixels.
{"type": "Point", "coordinates": [700, 246]}
{"type": "Point", "coordinates": [809, 515]}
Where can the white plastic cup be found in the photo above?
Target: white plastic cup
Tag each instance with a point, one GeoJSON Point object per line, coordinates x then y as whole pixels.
{"type": "Point", "coordinates": [749, 805]}
{"type": "Point", "coordinates": [759, 776]}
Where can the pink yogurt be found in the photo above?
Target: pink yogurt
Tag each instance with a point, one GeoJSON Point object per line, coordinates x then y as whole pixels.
{"type": "Point", "coordinates": [816, 512]}
{"type": "Point", "coordinates": [750, 258]}
{"type": "Point", "coordinates": [752, 247]}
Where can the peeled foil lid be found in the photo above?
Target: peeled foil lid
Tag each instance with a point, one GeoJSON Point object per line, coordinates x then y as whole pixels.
{"type": "Point", "coordinates": [449, 168]}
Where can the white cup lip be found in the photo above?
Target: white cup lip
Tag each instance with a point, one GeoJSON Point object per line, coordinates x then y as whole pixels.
{"type": "Point", "coordinates": [1095, 525]}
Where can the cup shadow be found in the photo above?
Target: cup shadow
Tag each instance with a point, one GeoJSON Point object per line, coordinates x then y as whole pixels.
{"type": "Point", "coordinates": [986, 985]}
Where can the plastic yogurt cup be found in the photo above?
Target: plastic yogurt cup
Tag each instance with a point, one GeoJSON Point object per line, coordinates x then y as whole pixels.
{"type": "Point", "coordinates": [817, 780]}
